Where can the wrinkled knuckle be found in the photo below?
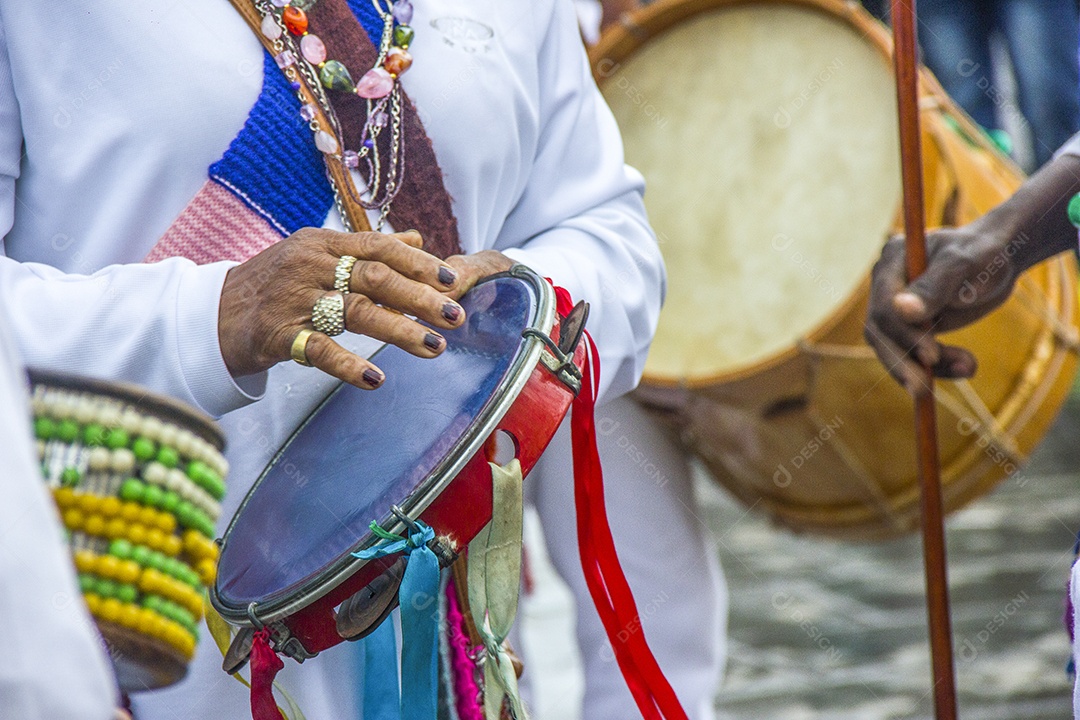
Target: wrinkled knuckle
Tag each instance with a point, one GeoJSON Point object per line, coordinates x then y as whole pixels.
{"type": "Point", "coordinates": [372, 275]}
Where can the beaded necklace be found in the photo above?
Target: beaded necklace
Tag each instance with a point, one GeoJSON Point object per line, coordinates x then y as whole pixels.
{"type": "Point", "coordinates": [302, 57]}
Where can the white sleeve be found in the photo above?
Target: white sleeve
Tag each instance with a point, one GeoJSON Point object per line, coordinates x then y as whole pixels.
{"type": "Point", "coordinates": [55, 666]}
{"type": "Point", "coordinates": [155, 325]}
{"type": "Point", "coordinates": [581, 220]}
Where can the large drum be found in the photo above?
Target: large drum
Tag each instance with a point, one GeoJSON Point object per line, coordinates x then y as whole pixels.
{"type": "Point", "coordinates": [767, 133]}
{"type": "Point", "coordinates": [138, 480]}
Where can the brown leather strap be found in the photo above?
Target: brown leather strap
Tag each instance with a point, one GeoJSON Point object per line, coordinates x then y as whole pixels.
{"type": "Point", "coordinates": [423, 203]}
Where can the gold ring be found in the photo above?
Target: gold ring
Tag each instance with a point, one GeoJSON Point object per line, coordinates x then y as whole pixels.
{"type": "Point", "coordinates": [343, 273]}
{"type": "Point", "coordinates": [299, 347]}
{"type": "Point", "coordinates": [328, 314]}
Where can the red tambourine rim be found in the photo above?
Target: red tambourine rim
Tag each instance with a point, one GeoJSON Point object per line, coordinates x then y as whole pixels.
{"type": "Point", "coordinates": [427, 492]}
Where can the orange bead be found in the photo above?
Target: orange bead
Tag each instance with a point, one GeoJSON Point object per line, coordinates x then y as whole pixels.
{"type": "Point", "coordinates": [295, 20]}
{"type": "Point", "coordinates": [397, 61]}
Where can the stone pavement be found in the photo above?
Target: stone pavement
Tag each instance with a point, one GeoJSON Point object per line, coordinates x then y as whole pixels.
{"type": "Point", "coordinates": [837, 631]}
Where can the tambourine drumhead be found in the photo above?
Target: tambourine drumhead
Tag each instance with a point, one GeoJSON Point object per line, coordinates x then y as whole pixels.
{"type": "Point", "coordinates": [767, 133]}
{"type": "Point", "coordinates": [363, 451]}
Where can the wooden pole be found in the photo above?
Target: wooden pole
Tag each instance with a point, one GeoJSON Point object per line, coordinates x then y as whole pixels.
{"type": "Point", "coordinates": [933, 530]}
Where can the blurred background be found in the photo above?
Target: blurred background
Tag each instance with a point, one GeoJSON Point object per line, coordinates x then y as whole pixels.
{"type": "Point", "coordinates": [837, 630]}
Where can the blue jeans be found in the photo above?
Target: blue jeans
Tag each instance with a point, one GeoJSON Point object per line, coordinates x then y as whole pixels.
{"type": "Point", "coordinates": [1042, 38]}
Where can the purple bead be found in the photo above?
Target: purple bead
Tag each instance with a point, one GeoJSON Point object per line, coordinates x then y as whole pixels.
{"type": "Point", "coordinates": [352, 160]}
{"type": "Point", "coordinates": [369, 143]}
{"type": "Point", "coordinates": [403, 11]}
{"type": "Point", "coordinates": [380, 119]}
{"type": "Point", "coordinates": [308, 112]}
{"type": "Point", "coordinates": [285, 58]}
{"type": "Point", "coordinates": [294, 85]}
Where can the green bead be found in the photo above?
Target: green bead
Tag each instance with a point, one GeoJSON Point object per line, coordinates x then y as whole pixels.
{"type": "Point", "coordinates": [93, 435]}
{"type": "Point", "coordinates": [67, 430]}
{"type": "Point", "coordinates": [144, 449]}
{"type": "Point", "coordinates": [217, 486]}
{"type": "Point", "coordinates": [141, 554]}
{"type": "Point", "coordinates": [194, 469]}
{"type": "Point", "coordinates": [403, 36]}
{"type": "Point", "coordinates": [1074, 210]}
{"type": "Point", "coordinates": [336, 76]}
{"type": "Point", "coordinates": [170, 501]}
{"type": "Point", "coordinates": [117, 438]}
{"type": "Point", "coordinates": [121, 548]}
{"type": "Point", "coordinates": [168, 457]}
{"type": "Point", "coordinates": [44, 428]}
{"type": "Point", "coordinates": [158, 561]}
{"type": "Point", "coordinates": [184, 513]}
{"type": "Point", "coordinates": [126, 593]}
{"type": "Point", "coordinates": [106, 588]}
{"type": "Point", "coordinates": [153, 495]}
{"type": "Point", "coordinates": [87, 583]}
{"type": "Point", "coordinates": [304, 5]}
{"type": "Point", "coordinates": [132, 490]}
{"type": "Point", "coordinates": [152, 602]}
{"type": "Point", "coordinates": [70, 477]}
{"type": "Point", "coordinates": [191, 578]}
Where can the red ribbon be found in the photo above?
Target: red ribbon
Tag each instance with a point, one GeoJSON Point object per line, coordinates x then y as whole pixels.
{"type": "Point", "coordinates": [265, 665]}
{"type": "Point", "coordinates": [603, 574]}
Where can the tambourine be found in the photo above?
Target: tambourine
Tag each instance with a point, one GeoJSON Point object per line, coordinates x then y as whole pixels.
{"type": "Point", "coordinates": [415, 449]}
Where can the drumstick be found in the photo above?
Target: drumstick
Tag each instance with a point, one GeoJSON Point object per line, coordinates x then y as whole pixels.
{"type": "Point", "coordinates": [933, 531]}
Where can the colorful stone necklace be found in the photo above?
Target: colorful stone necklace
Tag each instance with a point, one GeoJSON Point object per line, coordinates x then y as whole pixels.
{"type": "Point", "coordinates": [302, 57]}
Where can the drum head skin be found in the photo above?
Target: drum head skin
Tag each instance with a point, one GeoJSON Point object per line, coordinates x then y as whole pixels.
{"type": "Point", "coordinates": [363, 451]}
{"type": "Point", "coordinates": [766, 133]}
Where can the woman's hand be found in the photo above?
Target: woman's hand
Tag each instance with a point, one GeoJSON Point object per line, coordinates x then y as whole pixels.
{"type": "Point", "coordinates": [267, 301]}
{"type": "Point", "coordinates": [473, 268]}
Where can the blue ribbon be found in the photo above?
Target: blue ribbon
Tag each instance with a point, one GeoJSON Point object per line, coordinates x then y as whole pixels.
{"type": "Point", "coordinates": [418, 597]}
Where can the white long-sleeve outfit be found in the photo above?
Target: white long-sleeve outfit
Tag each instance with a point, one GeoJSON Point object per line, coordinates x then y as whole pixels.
{"type": "Point", "coordinates": [111, 113]}
{"type": "Point", "coordinates": [54, 665]}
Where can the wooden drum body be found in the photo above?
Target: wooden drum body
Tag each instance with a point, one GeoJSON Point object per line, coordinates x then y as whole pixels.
{"type": "Point", "coordinates": [767, 133]}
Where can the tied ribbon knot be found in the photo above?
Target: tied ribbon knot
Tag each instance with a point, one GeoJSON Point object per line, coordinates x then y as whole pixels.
{"type": "Point", "coordinates": [417, 698]}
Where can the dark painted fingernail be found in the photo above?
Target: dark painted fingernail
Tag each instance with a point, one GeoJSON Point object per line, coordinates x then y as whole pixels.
{"type": "Point", "coordinates": [447, 276]}
{"type": "Point", "coordinates": [451, 311]}
{"type": "Point", "coordinates": [432, 341]}
{"type": "Point", "coordinates": [373, 377]}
